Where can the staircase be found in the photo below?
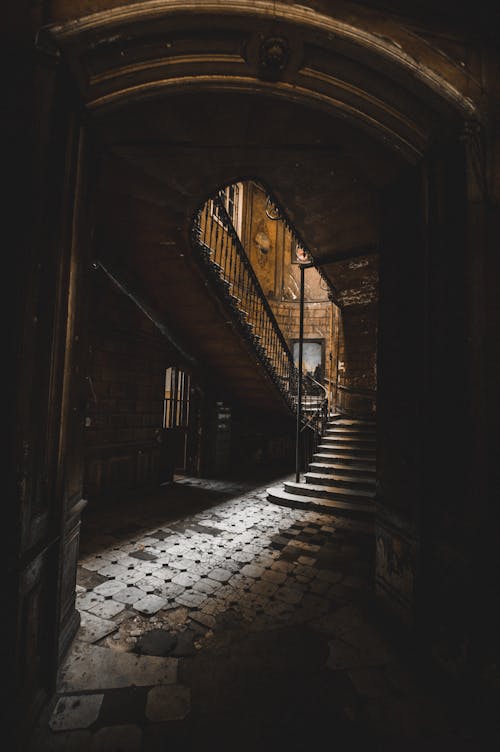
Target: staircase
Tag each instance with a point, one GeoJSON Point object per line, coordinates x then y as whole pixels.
{"type": "Point", "coordinates": [227, 269]}
{"type": "Point", "coordinates": [341, 476]}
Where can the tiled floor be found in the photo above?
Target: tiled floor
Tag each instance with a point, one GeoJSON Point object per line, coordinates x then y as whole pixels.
{"type": "Point", "coordinates": [214, 619]}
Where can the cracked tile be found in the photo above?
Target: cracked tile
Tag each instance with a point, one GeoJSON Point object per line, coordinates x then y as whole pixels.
{"type": "Point", "coordinates": [220, 575]}
{"type": "Point", "coordinates": [94, 628]}
{"type": "Point", "coordinates": [91, 668]}
{"type": "Point", "coordinates": [150, 604]}
{"type": "Point", "coordinates": [75, 712]}
{"type": "Point", "coordinates": [107, 609]}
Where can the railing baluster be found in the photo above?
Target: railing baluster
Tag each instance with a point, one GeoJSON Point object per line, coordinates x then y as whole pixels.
{"type": "Point", "coordinates": [220, 244]}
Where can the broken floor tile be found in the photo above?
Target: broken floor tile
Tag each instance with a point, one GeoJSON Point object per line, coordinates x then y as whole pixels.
{"type": "Point", "coordinates": [190, 599]}
{"type": "Point", "coordinates": [150, 604]}
{"type": "Point", "coordinates": [185, 579]}
{"type": "Point", "coordinates": [168, 703]}
{"type": "Point", "coordinates": [106, 609]}
{"type": "Point", "coordinates": [129, 595]}
{"type": "Point", "coordinates": [206, 586]}
{"type": "Point", "coordinates": [93, 564]}
{"type": "Point", "coordinates": [90, 668]}
{"type": "Point", "coordinates": [112, 570]}
{"type": "Point", "coordinates": [107, 589]}
{"type": "Point", "coordinates": [94, 628]}
{"type": "Point", "coordinates": [75, 712]}
{"type": "Point", "coordinates": [149, 584]}
{"type": "Point", "coordinates": [130, 578]}
{"type": "Point", "coordinates": [87, 600]}
{"type": "Point", "coordinates": [144, 555]}
{"type": "Point", "coordinates": [220, 575]}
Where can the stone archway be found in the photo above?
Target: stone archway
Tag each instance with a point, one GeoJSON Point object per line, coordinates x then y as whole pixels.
{"type": "Point", "coordinates": [372, 76]}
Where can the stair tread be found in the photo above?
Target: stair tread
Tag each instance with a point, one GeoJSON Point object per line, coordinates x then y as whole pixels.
{"type": "Point", "coordinates": [350, 432]}
{"type": "Point", "coordinates": [352, 457]}
{"type": "Point", "coordinates": [337, 466]}
{"type": "Point", "coordinates": [309, 501]}
{"type": "Point", "coordinates": [340, 478]}
{"type": "Point", "coordinates": [339, 490]}
{"type": "Point", "coordinates": [351, 422]}
{"type": "Point", "coordinates": [354, 451]}
{"type": "Point", "coordinates": [349, 440]}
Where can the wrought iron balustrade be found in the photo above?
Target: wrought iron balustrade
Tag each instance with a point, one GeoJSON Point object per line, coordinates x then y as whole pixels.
{"type": "Point", "coordinates": [221, 253]}
{"type": "Point", "coordinates": [314, 415]}
{"type": "Point", "coordinates": [225, 261]}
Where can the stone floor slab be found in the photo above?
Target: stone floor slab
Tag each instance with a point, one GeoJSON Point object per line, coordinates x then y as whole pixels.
{"type": "Point", "coordinates": [150, 604]}
{"type": "Point", "coordinates": [91, 668]}
{"type": "Point", "coordinates": [75, 712]}
{"type": "Point", "coordinates": [220, 575]}
{"type": "Point", "coordinates": [108, 589]}
{"type": "Point", "coordinates": [94, 628]}
{"type": "Point", "coordinates": [129, 595]}
{"type": "Point", "coordinates": [107, 609]}
{"type": "Point", "coordinates": [168, 703]}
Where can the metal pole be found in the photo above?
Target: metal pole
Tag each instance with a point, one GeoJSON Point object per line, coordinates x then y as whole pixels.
{"type": "Point", "coordinates": [299, 383]}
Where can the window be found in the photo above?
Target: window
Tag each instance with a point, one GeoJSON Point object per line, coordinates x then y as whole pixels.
{"type": "Point", "coordinates": [232, 198]}
{"type": "Point", "coordinates": [176, 401]}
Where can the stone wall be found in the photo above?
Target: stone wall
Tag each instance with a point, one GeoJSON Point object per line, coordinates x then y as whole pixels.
{"type": "Point", "coordinates": [124, 415]}
{"type": "Point", "coordinates": [357, 359]}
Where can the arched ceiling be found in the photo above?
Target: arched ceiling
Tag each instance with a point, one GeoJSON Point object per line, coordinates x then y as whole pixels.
{"type": "Point", "coordinates": [326, 176]}
{"type": "Point", "coordinates": [325, 107]}
{"type": "Point", "coordinates": [375, 74]}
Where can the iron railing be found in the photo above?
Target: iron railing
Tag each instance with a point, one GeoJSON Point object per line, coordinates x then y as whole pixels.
{"type": "Point", "coordinates": [314, 416]}
{"type": "Point", "coordinates": [220, 251]}
{"type": "Point", "coordinates": [225, 261]}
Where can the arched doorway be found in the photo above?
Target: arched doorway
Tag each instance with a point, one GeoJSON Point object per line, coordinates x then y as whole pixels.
{"type": "Point", "coordinates": [299, 74]}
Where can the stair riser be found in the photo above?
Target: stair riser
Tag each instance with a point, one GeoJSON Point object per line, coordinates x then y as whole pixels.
{"type": "Point", "coordinates": [348, 443]}
{"type": "Point", "coordinates": [353, 485]}
{"type": "Point", "coordinates": [347, 451]}
{"type": "Point", "coordinates": [364, 473]}
{"type": "Point", "coordinates": [317, 506]}
{"type": "Point", "coordinates": [362, 462]}
{"type": "Point", "coordinates": [351, 424]}
{"type": "Point", "coordinates": [315, 494]}
{"type": "Point", "coordinates": [362, 435]}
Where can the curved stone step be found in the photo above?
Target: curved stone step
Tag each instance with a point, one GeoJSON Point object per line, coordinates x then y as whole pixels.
{"type": "Point", "coordinates": [278, 495]}
{"type": "Point", "coordinates": [369, 434]}
{"type": "Point", "coordinates": [348, 458]}
{"type": "Point", "coordinates": [337, 468]}
{"type": "Point", "coordinates": [351, 422]}
{"type": "Point", "coordinates": [346, 481]}
{"type": "Point", "coordinates": [349, 441]}
{"type": "Point", "coordinates": [342, 449]}
{"type": "Point", "coordinates": [330, 492]}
